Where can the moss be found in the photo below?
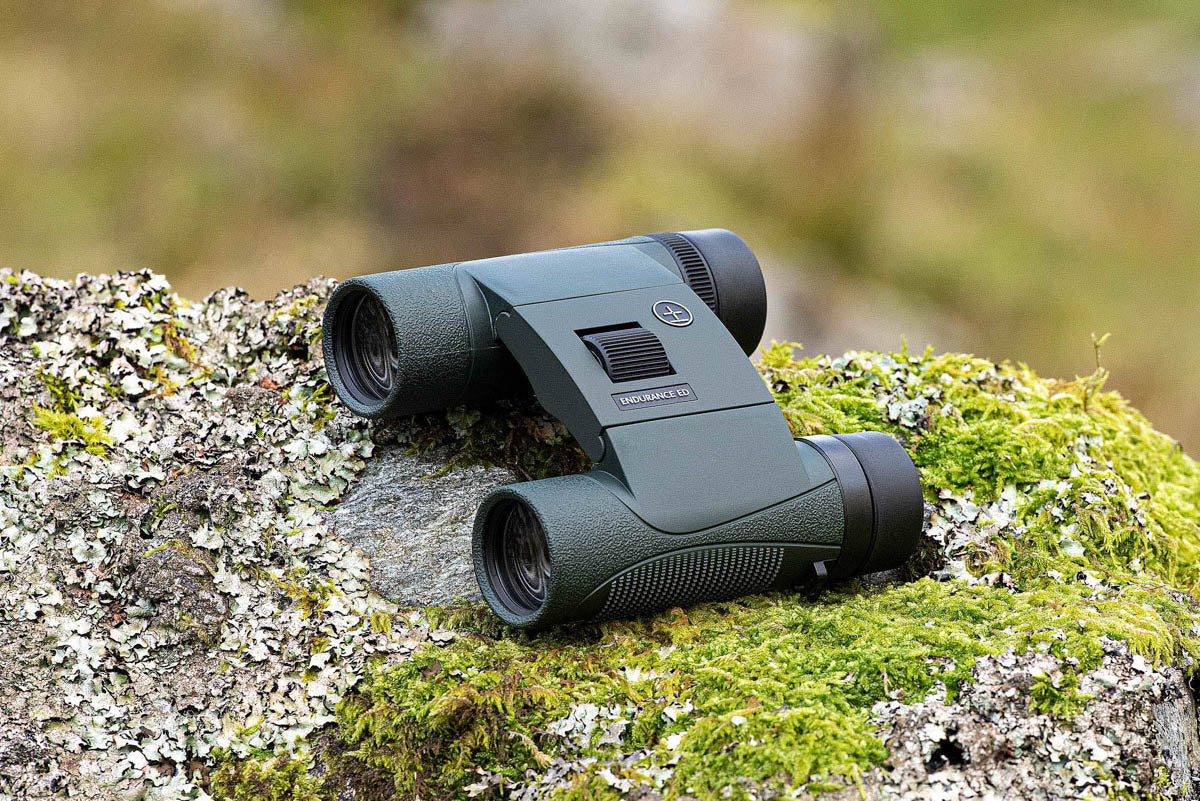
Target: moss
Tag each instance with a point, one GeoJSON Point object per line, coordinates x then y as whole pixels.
{"type": "Point", "coordinates": [297, 308]}
{"type": "Point", "coordinates": [310, 593]}
{"type": "Point", "coordinates": [514, 434]}
{"type": "Point", "coordinates": [61, 421]}
{"type": "Point", "coordinates": [1057, 695]}
{"type": "Point", "coordinates": [159, 509]}
{"type": "Point", "coordinates": [267, 779]}
{"type": "Point", "coordinates": [186, 549]}
{"type": "Point", "coordinates": [63, 397]}
{"type": "Point", "coordinates": [89, 432]}
{"type": "Point", "coordinates": [781, 686]}
{"type": "Point", "coordinates": [981, 427]}
{"type": "Point", "coordinates": [316, 403]}
{"type": "Point", "coordinates": [428, 727]}
{"type": "Point", "coordinates": [180, 346]}
{"type": "Point", "coordinates": [775, 692]}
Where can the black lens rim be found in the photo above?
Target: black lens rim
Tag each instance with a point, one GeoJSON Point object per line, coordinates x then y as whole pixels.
{"type": "Point", "coordinates": [502, 522]}
{"type": "Point", "coordinates": [365, 389]}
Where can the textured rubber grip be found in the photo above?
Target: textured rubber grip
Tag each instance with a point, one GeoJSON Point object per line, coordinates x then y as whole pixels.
{"type": "Point", "coordinates": [682, 578]}
{"type": "Point", "coordinates": [599, 549]}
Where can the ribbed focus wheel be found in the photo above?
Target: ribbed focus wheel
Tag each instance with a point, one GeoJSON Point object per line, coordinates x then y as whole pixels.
{"type": "Point", "coordinates": [629, 354]}
{"type": "Point", "coordinates": [695, 269]}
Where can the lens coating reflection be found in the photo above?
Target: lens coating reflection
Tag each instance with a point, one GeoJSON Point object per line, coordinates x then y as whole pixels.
{"type": "Point", "coordinates": [519, 561]}
{"type": "Point", "coordinates": [368, 358]}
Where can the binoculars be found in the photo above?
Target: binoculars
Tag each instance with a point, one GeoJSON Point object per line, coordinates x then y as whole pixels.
{"type": "Point", "coordinates": [639, 346]}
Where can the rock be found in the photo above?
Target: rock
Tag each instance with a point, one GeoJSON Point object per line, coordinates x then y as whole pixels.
{"type": "Point", "coordinates": [1176, 736]}
{"type": "Point", "coordinates": [412, 519]}
{"type": "Point", "coordinates": [990, 743]}
{"type": "Point", "coordinates": [180, 584]}
{"type": "Point", "coordinates": [213, 579]}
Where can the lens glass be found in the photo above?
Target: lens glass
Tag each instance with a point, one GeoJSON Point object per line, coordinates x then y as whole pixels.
{"type": "Point", "coordinates": [519, 558]}
{"type": "Point", "coordinates": [368, 356]}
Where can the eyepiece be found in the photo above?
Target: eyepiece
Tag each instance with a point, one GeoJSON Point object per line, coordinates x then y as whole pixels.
{"type": "Point", "coordinates": [881, 497]}
{"type": "Point", "coordinates": [723, 271]}
{"type": "Point", "coordinates": [517, 556]}
{"type": "Point", "coordinates": [898, 509]}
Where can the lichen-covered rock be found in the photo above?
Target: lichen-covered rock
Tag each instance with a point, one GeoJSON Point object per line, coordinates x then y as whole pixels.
{"type": "Point", "coordinates": [214, 581]}
{"type": "Point", "coordinates": [169, 591]}
{"type": "Point", "coordinates": [993, 742]}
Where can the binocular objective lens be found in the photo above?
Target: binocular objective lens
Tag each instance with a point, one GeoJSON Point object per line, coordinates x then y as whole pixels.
{"type": "Point", "coordinates": [368, 359]}
{"type": "Point", "coordinates": [520, 559]}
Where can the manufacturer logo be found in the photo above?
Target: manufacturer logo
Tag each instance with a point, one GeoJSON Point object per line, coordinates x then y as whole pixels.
{"type": "Point", "coordinates": [673, 313]}
{"type": "Point", "coordinates": [676, 393]}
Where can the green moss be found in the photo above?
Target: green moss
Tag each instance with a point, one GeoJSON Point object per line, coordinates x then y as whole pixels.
{"type": "Point", "coordinates": [296, 309]}
{"type": "Point", "coordinates": [91, 432]}
{"type": "Point", "coordinates": [1057, 695]}
{"type": "Point", "coordinates": [61, 421]}
{"type": "Point", "coordinates": [180, 346]}
{"type": "Point", "coordinates": [981, 427]}
{"type": "Point", "coordinates": [266, 779]}
{"type": "Point", "coordinates": [428, 726]}
{"type": "Point", "coordinates": [63, 396]}
{"type": "Point", "coordinates": [310, 593]}
{"type": "Point", "coordinates": [775, 692]}
{"type": "Point", "coordinates": [316, 403]}
{"type": "Point", "coordinates": [159, 509]}
{"type": "Point", "coordinates": [781, 686]}
{"type": "Point", "coordinates": [186, 549]}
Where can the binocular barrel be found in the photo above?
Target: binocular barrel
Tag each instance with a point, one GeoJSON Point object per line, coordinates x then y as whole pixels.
{"type": "Point", "coordinates": [420, 340]}
{"type": "Point", "coordinates": [698, 492]}
{"type": "Point", "coordinates": [563, 549]}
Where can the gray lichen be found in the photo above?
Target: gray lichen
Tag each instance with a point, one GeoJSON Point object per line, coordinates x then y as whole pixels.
{"type": "Point", "coordinates": [990, 744]}
{"type": "Point", "coordinates": [209, 570]}
{"type": "Point", "coordinates": [170, 588]}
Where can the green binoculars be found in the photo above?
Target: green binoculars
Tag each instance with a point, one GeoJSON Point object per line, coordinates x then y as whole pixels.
{"type": "Point", "coordinates": [639, 346]}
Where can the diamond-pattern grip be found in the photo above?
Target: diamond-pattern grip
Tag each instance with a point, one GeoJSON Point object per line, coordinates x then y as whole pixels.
{"type": "Point", "coordinates": [718, 573]}
{"type": "Point", "coordinates": [629, 354]}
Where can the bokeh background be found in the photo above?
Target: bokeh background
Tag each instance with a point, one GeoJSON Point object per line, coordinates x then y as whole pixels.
{"type": "Point", "coordinates": [1001, 178]}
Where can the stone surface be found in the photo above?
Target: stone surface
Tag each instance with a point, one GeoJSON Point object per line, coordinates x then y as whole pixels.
{"type": "Point", "coordinates": [412, 519]}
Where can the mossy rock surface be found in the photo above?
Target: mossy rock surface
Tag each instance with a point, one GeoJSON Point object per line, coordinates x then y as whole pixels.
{"type": "Point", "coordinates": [1039, 645]}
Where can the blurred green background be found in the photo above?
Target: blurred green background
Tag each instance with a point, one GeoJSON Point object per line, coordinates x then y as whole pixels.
{"type": "Point", "coordinates": [1001, 178]}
